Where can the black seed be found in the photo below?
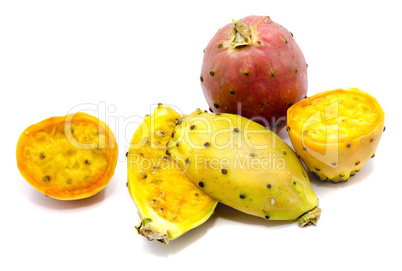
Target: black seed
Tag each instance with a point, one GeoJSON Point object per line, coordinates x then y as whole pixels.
{"type": "Point", "coordinates": [246, 73]}
{"type": "Point", "coordinates": [177, 144]}
{"type": "Point", "coordinates": [188, 160]}
{"type": "Point", "coordinates": [349, 145]}
{"type": "Point", "coordinates": [290, 104]}
{"type": "Point", "coordinates": [273, 74]}
{"type": "Point", "coordinates": [259, 42]}
{"type": "Point", "coordinates": [201, 184]}
{"type": "Point", "coordinates": [161, 133]}
{"type": "Point", "coordinates": [296, 70]}
{"type": "Point", "coordinates": [304, 149]}
{"type": "Point", "coordinates": [192, 127]}
{"type": "Point", "coordinates": [212, 73]}
{"type": "Point", "coordinates": [284, 152]}
{"type": "Point", "coordinates": [306, 65]}
{"type": "Point", "coordinates": [41, 155]}
{"type": "Point", "coordinates": [167, 152]}
{"type": "Point", "coordinates": [224, 171]}
{"type": "Point", "coordinates": [269, 186]}
{"type": "Point", "coordinates": [87, 162]}
{"type": "Point", "coordinates": [206, 144]}
{"type": "Point", "coordinates": [291, 33]}
{"type": "Point", "coordinates": [165, 158]}
{"type": "Point", "coordinates": [305, 97]}
{"type": "Point", "coordinates": [317, 169]}
{"type": "Point", "coordinates": [126, 154]}
{"type": "Point", "coordinates": [286, 41]}
{"type": "Point", "coordinates": [267, 217]}
{"type": "Point", "coordinates": [216, 105]}
{"type": "Point", "coordinates": [265, 104]}
{"type": "Point", "coordinates": [294, 182]}
{"type": "Point", "coordinates": [173, 133]}
{"type": "Point", "coordinates": [210, 109]}
{"type": "Point", "coordinates": [383, 129]}
{"type": "Point", "coordinates": [357, 163]}
{"type": "Point", "coordinates": [371, 140]}
{"type": "Point", "coordinates": [236, 130]}
{"type": "Point", "coordinates": [373, 155]}
{"type": "Point", "coordinates": [143, 175]}
{"type": "Point", "coordinates": [220, 45]}
{"type": "Point", "coordinates": [252, 154]}
{"type": "Point", "coordinates": [242, 196]}
{"type": "Point", "coordinates": [231, 92]}
{"type": "Point", "coordinates": [201, 78]}
{"type": "Point", "coordinates": [287, 128]}
{"type": "Point", "coordinates": [334, 163]}
{"type": "Point", "coordinates": [341, 175]}
{"type": "Point", "coordinates": [46, 178]}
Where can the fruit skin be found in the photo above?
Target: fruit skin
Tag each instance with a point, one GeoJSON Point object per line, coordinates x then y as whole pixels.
{"type": "Point", "coordinates": [336, 160]}
{"type": "Point", "coordinates": [69, 157]}
{"type": "Point", "coordinates": [168, 203]}
{"type": "Point", "coordinates": [243, 165]}
{"type": "Point", "coordinates": [260, 79]}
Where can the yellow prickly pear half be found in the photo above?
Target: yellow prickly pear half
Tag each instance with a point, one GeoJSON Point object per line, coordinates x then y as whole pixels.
{"type": "Point", "coordinates": [244, 165]}
{"type": "Point", "coordinates": [336, 132]}
{"type": "Point", "coordinates": [168, 203]}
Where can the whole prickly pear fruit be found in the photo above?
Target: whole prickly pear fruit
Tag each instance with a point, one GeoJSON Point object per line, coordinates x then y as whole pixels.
{"type": "Point", "coordinates": [243, 165]}
{"type": "Point", "coordinates": [254, 68]}
{"type": "Point", "coordinates": [168, 203]}
{"type": "Point", "coordinates": [336, 132]}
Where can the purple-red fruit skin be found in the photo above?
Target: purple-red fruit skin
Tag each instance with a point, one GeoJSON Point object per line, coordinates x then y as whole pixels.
{"type": "Point", "coordinates": [259, 81]}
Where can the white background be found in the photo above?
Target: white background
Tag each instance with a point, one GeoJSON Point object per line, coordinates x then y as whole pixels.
{"type": "Point", "coordinates": [121, 57]}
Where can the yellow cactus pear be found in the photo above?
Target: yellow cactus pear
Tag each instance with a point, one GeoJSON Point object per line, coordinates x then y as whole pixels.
{"type": "Point", "coordinates": [336, 132]}
{"type": "Point", "coordinates": [168, 203]}
{"type": "Point", "coordinates": [244, 165]}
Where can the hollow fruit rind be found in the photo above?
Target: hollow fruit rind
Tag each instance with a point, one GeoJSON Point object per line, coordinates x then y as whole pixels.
{"type": "Point", "coordinates": [336, 132]}
{"type": "Point", "coordinates": [69, 157]}
{"type": "Point", "coordinates": [244, 165]}
{"type": "Point", "coordinates": [168, 203]}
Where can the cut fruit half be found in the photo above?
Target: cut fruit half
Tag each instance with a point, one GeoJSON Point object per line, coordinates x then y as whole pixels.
{"type": "Point", "coordinates": [69, 157]}
{"type": "Point", "coordinates": [169, 204]}
{"type": "Point", "coordinates": [336, 132]}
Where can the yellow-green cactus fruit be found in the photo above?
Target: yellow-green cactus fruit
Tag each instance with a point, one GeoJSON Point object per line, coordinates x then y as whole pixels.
{"type": "Point", "coordinates": [336, 132]}
{"type": "Point", "coordinates": [168, 203]}
{"type": "Point", "coordinates": [243, 165]}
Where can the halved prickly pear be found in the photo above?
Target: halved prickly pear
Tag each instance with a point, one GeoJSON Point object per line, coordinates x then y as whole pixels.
{"type": "Point", "coordinates": [336, 132]}
{"type": "Point", "coordinates": [169, 204]}
{"type": "Point", "coordinates": [68, 157]}
{"type": "Point", "coordinates": [245, 166]}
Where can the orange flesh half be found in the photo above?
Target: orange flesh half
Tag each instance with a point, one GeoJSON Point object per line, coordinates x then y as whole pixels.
{"type": "Point", "coordinates": [69, 157]}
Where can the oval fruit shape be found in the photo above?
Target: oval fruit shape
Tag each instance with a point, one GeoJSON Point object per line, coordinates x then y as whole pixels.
{"type": "Point", "coordinates": [168, 203]}
{"type": "Point", "coordinates": [253, 67]}
{"type": "Point", "coordinates": [244, 165]}
{"type": "Point", "coordinates": [69, 157]}
{"type": "Point", "coordinates": [336, 132]}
